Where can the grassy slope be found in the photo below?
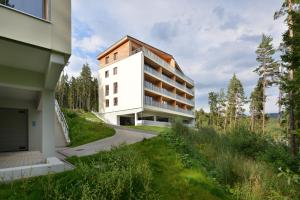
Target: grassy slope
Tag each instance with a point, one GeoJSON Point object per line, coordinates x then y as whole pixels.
{"type": "Point", "coordinates": [86, 127]}
{"type": "Point", "coordinates": [171, 180]}
{"type": "Point", "coordinates": [154, 129]}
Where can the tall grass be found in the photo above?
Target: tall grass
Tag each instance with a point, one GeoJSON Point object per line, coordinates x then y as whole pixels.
{"type": "Point", "coordinates": [119, 174]}
{"type": "Point", "coordinates": [245, 163]}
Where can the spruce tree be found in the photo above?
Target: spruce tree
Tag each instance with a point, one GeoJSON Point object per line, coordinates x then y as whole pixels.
{"type": "Point", "coordinates": [256, 104]}
{"type": "Point", "coordinates": [212, 102]}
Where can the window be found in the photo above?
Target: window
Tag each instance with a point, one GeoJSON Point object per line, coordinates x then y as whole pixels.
{"type": "Point", "coordinates": [115, 70]}
{"type": "Point", "coordinates": [106, 103]}
{"type": "Point", "coordinates": [115, 101]}
{"type": "Point", "coordinates": [115, 88]}
{"type": "Point", "coordinates": [106, 90]}
{"type": "Point", "coordinates": [116, 56]}
{"type": "Point", "coordinates": [106, 74]}
{"type": "Point", "coordinates": [107, 60]}
{"type": "Point", "coordinates": [36, 8]}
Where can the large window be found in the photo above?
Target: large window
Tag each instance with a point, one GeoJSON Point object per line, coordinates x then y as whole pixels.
{"type": "Point", "coordinates": [36, 8]}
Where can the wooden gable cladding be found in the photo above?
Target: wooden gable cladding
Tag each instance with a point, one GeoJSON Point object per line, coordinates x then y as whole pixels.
{"type": "Point", "coordinates": [126, 46]}
{"type": "Point", "coordinates": [121, 52]}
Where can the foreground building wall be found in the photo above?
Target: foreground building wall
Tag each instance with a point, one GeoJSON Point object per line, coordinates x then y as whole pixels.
{"type": "Point", "coordinates": [34, 49]}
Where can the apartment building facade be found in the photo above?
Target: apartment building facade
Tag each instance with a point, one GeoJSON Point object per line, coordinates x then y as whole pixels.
{"type": "Point", "coordinates": [142, 85]}
{"type": "Point", "coordinates": [35, 46]}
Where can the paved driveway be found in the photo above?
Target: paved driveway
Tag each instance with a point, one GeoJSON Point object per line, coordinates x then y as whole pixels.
{"type": "Point", "coordinates": [122, 136]}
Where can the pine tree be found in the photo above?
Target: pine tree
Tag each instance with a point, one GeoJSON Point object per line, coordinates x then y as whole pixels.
{"type": "Point", "coordinates": [221, 107]}
{"type": "Point", "coordinates": [235, 101]}
{"type": "Point", "coordinates": [62, 89]}
{"type": "Point", "coordinates": [78, 93]}
{"type": "Point", "coordinates": [268, 69]}
{"type": "Point", "coordinates": [290, 83]}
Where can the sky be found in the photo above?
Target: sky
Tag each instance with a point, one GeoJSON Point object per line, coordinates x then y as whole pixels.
{"type": "Point", "coordinates": [210, 40]}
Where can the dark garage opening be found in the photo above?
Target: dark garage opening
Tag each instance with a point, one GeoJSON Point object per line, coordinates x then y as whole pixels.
{"type": "Point", "coordinates": [13, 130]}
{"type": "Point", "coordinates": [126, 121]}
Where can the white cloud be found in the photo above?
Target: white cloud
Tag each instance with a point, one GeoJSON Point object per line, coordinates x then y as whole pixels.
{"type": "Point", "coordinates": [76, 63]}
{"type": "Point", "coordinates": [88, 44]}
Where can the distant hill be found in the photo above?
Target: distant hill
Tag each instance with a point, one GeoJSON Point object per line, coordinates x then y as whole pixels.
{"type": "Point", "coordinates": [273, 115]}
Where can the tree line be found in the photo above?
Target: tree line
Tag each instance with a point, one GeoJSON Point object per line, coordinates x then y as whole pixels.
{"type": "Point", "coordinates": [78, 92]}
{"type": "Point", "coordinates": [227, 108]}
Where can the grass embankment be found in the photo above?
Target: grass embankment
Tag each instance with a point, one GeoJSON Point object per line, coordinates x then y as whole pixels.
{"type": "Point", "coordinates": [85, 127]}
{"type": "Point", "coordinates": [153, 129]}
{"type": "Point", "coordinates": [181, 164]}
{"type": "Point", "coordinates": [152, 169]}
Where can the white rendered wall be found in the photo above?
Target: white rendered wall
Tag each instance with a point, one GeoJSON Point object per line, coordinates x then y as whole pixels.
{"type": "Point", "coordinates": [130, 88]}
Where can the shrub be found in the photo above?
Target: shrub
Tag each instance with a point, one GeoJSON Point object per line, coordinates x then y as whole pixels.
{"type": "Point", "coordinates": [244, 162]}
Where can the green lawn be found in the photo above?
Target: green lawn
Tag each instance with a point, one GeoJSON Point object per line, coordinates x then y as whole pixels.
{"type": "Point", "coordinates": [85, 127]}
{"type": "Point", "coordinates": [154, 129]}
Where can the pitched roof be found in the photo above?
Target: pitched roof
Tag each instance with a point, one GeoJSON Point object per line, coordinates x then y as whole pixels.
{"type": "Point", "coordinates": [130, 38]}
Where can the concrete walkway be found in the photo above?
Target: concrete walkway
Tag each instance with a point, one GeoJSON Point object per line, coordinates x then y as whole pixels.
{"type": "Point", "coordinates": [123, 136]}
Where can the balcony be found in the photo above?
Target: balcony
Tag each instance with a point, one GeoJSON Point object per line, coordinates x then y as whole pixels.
{"type": "Point", "coordinates": [167, 93]}
{"type": "Point", "coordinates": [167, 79]}
{"type": "Point", "coordinates": [151, 102]}
{"type": "Point", "coordinates": [163, 63]}
{"type": "Point", "coordinates": [163, 91]}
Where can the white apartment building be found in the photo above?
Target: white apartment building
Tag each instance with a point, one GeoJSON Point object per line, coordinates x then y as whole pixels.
{"type": "Point", "coordinates": [35, 45]}
{"type": "Point", "coordinates": [142, 85]}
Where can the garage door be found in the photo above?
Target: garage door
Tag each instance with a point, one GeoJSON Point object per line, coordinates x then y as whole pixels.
{"type": "Point", "coordinates": [13, 130]}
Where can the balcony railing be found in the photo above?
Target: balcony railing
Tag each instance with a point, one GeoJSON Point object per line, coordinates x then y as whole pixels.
{"type": "Point", "coordinates": [167, 79]}
{"type": "Point", "coordinates": [165, 92]}
{"type": "Point", "coordinates": [150, 86]}
{"type": "Point", "coordinates": [163, 63]}
{"type": "Point", "coordinates": [151, 102]}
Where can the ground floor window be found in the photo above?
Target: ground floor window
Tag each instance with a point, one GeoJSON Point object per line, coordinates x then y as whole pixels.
{"type": "Point", "coordinates": [149, 118]}
{"type": "Point", "coordinates": [162, 119]}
